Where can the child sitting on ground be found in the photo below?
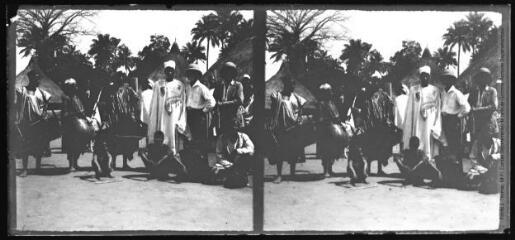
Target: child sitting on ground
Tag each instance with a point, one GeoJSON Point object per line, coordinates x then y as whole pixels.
{"type": "Point", "coordinates": [415, 166]}
{"type": "Point", "coordinates": [158, 159]}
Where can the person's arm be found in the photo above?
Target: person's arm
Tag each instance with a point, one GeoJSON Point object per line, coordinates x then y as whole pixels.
{"type": "Point", "coordinates": [210, 100]}
{"type": "Point", "coordinates": [464, 104]}
{"type": "Point", "coordinates": [247, 146]}
{"type": "Point", "coordinates": [169, 154]}
{"type": "Point", "coordinates": [238, 100]}
{"type": "Point", "coordinates": [493, 106]}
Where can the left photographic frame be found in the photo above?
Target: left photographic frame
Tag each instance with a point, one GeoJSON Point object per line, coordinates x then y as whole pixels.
{"type": "Point", "coordinates": [131, 120]}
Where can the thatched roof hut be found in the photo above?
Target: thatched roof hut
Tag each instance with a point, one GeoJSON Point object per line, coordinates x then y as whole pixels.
{"type": "Point", "coordinates": [240, 54]}
{"type": "Point", "coordinates": [491, 60]}
{"type": "Point", "coordinates": [46, 83]}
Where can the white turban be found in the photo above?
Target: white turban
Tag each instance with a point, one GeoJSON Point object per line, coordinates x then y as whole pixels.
{"type": "Point", "coordinates": [424, 69]}
{"type": "Point", "coordinates": [170, 63]}
{"type": "Point", "coordinates": [246, 76]}
{"type": "Point", "coordinates": [70, 81]}
{"type": "Point", "coordinates": [377, 75]}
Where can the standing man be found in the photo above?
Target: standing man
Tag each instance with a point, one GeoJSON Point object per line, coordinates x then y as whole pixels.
{"type": "Point", "coordinates": [145, 96]}
{"type": "Point", "coordinates": [199, 102]}
{"type": "Point", "coordinates": [423, 118]}
{"type": "Point", "coordinates": [484, 103]}
{"type": "Point", "coordinates": [74, 140]}
{"type": "Point", "coordinates": [229, 97]}
{"type": "Point", "coordinates": [287, 109]}
{"type": "Point", "coordinates": [400, 104]}
{"type": "Point", "coordinates": [454, 108]}
{"type": "Point", "coordinates": [168, 109]}
{"type": "Point", "coordinates": [248, 105]}
{"type": "Point", "coordinates": [128, 127]}
{"type": "Point", "coordinates": [31, 103]}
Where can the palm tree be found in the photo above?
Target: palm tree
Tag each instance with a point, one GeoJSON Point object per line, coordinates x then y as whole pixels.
{"type": "Point", "coordinates": [124, 58]}
{"type": "Point", "coordinates": [228, 24]}
{"type": "Point", "coordinates": [444, 57]}
{"type": "Point", "coordinates": [458, 34]}
{"type": "Point", "coordinates": [45, 30]}
{"type": "Point", "coordinates": [478, 26]}
{"type": "Point", "coordinates": [103, 50]}
{"type": "Point", "coordinates": [355, 53]}
{"type": "Point", "coordinates": [193, 52]}
{"type": "Point", "coordinates": [207, 29]}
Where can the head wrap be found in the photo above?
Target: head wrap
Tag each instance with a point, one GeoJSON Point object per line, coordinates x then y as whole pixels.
{"type": "Point", "coordinates": [170, 63]}
{"type": "Point", "coordinates": [70, 81]}
{"type": "Point", "coordinates": [424, 69]}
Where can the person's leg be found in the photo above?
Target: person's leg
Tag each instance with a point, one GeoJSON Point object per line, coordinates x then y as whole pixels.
{"type": "Point", "coordinates": [364, 172]}
{"type": "Point", "coordinates": [279, 167]}
{"type": "Point", "coordinates": [25, 163]}
{"type": "Point", "coordinates": [292, 168]}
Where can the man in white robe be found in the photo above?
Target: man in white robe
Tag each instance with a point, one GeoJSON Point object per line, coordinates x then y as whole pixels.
{"type": "Point", "coordinates": [423, 118]}
{"type": "Point", "coordinates": [145, 101]}
{"type": "Point", "coordinates": [168, 109]}
{"type": "Point", "coordinates": [400, 105]}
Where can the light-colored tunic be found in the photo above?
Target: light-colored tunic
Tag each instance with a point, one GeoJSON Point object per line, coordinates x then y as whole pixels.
{"type": "Point", "coordinates": [423, 118]}
{"type": "Point", "coordinates": [168, 113]}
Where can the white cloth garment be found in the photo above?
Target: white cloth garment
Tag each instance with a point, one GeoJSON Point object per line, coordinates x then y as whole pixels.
{"type": "Point", "coordinates": [400, 104]}
{"type": "Point", "coordinates": [455, 103]}
{"type": "Point", "coordinates": [423, 118]}
{"type": "Point", "coordinates": [199, 97]}
{"type": "Point", "coordinates": [168, 113]}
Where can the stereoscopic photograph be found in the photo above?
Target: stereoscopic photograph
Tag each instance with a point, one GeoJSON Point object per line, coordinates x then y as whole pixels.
{"type": "Point", "coordinates": [383, 120]}
{"type": "Point", "coordinates": [132, 120]}
{"type": "Point", "coordinates": [246, 119]}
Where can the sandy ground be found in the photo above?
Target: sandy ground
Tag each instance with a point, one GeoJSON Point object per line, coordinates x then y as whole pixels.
{"type": "Point", "coordinates": [309, 202]}
{"type": "Point", "coordinates": [55, 200]}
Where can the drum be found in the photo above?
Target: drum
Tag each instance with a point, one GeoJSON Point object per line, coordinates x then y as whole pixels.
{"type": "Point", "coordinates": [78, 132]}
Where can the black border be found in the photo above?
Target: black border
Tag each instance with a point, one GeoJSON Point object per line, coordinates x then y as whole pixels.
{"type": "Point", "coordinates": [258, 50]}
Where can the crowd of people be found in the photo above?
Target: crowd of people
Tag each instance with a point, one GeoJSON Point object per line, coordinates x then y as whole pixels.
{"type": "Point", "coordinates": [172, 124]}
{"type": "Point", "coordinates": [433, 118]}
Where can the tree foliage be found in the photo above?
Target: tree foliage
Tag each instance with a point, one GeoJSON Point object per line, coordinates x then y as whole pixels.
{"type": "Point", "coordinates": [45, 30]}
{"type": "Point", "coordinates": [193, 52]}
{"type": "Point", "coordinates": [292, 33]}
{"type": "Point", "coordinates": [405, 60]}
{"type": "Point", "coordinates": [207, 29]}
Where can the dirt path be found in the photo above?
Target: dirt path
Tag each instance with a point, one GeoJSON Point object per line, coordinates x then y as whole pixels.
{"type": "Point", "coordinates": [60, 201]}
{"type": "Point", "coordinates": [312, 203]}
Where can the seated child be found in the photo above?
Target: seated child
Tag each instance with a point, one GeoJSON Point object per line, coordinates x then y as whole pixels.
{"type": "Point", "coordinates": [415, 165]}
{"type": "Point", "coordinates": [158, 159]}
{"type": "Point", "coordinates": [233, 150]}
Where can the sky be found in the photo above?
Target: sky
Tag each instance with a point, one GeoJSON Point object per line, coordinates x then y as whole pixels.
{"type": "Point", "coordinates": [134, 28]}
{"type": "Point", "coordinates": [386, 30]}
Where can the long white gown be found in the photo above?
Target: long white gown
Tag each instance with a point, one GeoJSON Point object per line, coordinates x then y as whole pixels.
{"type": "Point", "coordinates": [423, 118]}
{"type": "Point", "coordinates": [168, 113]}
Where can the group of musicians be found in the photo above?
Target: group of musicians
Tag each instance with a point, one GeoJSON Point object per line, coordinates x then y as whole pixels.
{"type": "Point", "coordinates": [188, 114]}
{"type": "Point", "coordinates": [181, 114]}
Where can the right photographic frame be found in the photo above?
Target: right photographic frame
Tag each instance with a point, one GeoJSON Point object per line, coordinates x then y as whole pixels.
{"type": "Point", "coordinates": [387, 119]}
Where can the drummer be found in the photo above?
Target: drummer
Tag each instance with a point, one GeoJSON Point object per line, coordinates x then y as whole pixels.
{"type": "Point", "coordinates": [31, 102]}
{"type": "Point", "coordinates": [328, 114]}
{"type": "Point", "coordinates": [72, 109]}
{"type": "Point", "coordinates": [288, 106]}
